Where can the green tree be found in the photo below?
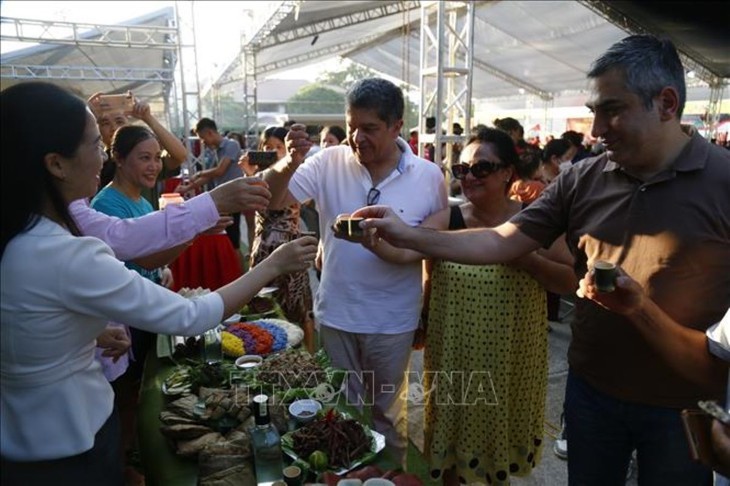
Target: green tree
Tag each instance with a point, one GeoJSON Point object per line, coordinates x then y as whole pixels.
{"type": "Point", "coordinates": [228, 114]}
{"type": "Point", "coordinates": [315, 98]}
{"type": "Point", "coordinates": [351, 72]}
{"type": "Point", "coordinates": [347, 75]}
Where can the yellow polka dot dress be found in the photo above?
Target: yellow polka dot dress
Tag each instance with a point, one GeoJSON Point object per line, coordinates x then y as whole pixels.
{"type": "Point", "coordinates": [485, 372]}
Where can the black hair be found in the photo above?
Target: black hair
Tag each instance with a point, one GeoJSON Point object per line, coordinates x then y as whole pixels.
{"type": "Point", "coordinates": [556, 147]}
{"type": "Point", "coordinates": [275, 132]}
{"type": "Point", "coordinates": [37, 118]}
{"type": "Point", "coordinates": [127, 137]}
{"type": "Point", "coordinates": [205, 123]}
{"type": "Point", "coordinates": [575, 138]}
{"type": "Point", "coordinates": [508, 124]}
{"type": "Point", "coordinates": [337, 131]}
{"type": "Point", "coordinates": [649, 64]}
{"type": "Point", "coordinates": [503, 143]}
{"type": "Point", "coordinates": [528, 163]}
{"type": "Point", "coordinates": [377, 94]}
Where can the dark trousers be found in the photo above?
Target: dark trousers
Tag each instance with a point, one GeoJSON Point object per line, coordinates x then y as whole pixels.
{"type": "Point", "coordinates": [99, 466]}
{"type": "Point", "coordinates": [604, 431]}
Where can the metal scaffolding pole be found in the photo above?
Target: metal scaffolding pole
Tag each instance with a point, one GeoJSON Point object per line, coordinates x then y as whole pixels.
{"type": "Point", "coordinates": [447, 38]}
{"type": "Point", "coordinates": [250, 98]}
{"type": "Point", "coordinates": [189, 84]}
{"type": "Point", "coordinates": [713, 110]}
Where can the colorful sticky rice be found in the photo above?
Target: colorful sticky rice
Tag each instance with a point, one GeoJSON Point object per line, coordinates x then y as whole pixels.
{"type": "Point", "coordinates": [253, 338]}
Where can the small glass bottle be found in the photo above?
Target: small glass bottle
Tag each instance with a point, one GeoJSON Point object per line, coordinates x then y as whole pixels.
{"type": "Point", "coordinates": [266, 444]}
{"type": "Point", "coordinates": [187, 170]}
{"type": "Point", "coordinates": [212, 346]}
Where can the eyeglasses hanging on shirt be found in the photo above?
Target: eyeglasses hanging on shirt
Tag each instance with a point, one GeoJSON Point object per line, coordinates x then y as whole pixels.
{"type": "Point", "coordinates": [373, 196]}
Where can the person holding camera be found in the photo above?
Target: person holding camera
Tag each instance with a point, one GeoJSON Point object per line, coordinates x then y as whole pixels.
{"type": "Point", "coordinates": [113, 112]}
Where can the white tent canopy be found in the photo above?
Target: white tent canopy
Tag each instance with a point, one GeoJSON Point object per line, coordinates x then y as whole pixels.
{"type": "Point", "coordinates": [521, 47]}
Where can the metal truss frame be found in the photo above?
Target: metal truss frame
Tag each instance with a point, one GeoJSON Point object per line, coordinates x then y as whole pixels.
{"type": "Point", "coordinates": [75, 33]}
{"type": "Point", "coordinates": [78, 34]}
{"type": "Point", "coordinates": [384, 9]}
{"type": "Point", "coordinates": [345, 47]}
{"type": "Point", "coordinates": [189, 88]}
{"type": "Point", "coordinates": [446, 72]}
{"type": "Point", "coordinates": [266, 37]}
{"type": "Point", "coordinates": [86, 73]}
{"type": "Point", "coordinates": [713, 110]}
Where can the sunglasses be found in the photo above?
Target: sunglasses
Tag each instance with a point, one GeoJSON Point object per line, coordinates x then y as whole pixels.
{"type": "Point", "coordinates": [480, 170]}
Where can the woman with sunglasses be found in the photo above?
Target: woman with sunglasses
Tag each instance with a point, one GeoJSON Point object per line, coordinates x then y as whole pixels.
{"type": "Point", "coordinates": [487, 324]}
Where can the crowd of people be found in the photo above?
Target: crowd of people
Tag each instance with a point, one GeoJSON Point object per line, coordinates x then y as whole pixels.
{"type": "Point", "coordinates": [474, 283]}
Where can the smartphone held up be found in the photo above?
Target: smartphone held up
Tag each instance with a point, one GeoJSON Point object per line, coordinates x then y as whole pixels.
{"type": "Point", "coordinates": [115, 103]}
{"type": "Point", "coordinates": [261, 158]}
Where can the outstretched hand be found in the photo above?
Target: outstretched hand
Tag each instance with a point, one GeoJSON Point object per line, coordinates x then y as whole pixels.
{"type": "Point", "coordinates": [360, 235]}
{"type": "Point", "coordinates": [297, 143]}
{"type": "Point", "coordinates": [294, 256]}
{"type": "Point", "coordinates": [220, 226]}
{"type": "Point", "coordinates": [140, 110]}
{"type": "Point", "coordinates": [625, 300]}
{"type": "Point", "coordinates": [246, 166]}
{"type": "Point", "coordinates": [242, 194]}
{"type": "Point", "coordinates": [386, 222]}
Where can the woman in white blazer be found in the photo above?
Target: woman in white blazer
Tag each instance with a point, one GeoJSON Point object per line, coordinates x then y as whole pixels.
{"type": "Point", "coordinates": [58, 290]}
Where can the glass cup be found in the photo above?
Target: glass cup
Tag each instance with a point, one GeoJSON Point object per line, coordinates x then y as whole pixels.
{"type": "Point", "coordinates": [604, 276]}
{"type": "Point", "coordinates": [293, 476]}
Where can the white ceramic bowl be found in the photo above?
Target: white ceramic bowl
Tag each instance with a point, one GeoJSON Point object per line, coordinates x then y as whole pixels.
{"type": "Point", "coordinates": [304, 411]}
{"type": "Point", "coordinates": [378, 482]}
{"type": "Point", "coordinates": [248, 361]}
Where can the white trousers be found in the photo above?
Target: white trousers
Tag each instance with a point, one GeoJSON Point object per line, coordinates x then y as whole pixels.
{"type": "Point", "coordinates": [377, 364]}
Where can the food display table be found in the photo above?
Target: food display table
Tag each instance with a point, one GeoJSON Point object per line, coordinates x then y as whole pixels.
{"type": "Point", "coordinates": [162, 467]}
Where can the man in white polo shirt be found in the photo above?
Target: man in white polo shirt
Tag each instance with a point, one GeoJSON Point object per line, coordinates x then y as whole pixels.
{"type": "Point", "coordinates": [367, 308]}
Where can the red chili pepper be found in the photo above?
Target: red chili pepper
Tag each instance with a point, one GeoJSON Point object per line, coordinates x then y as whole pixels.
{"type": "Point", "coordinates": [330, 417]}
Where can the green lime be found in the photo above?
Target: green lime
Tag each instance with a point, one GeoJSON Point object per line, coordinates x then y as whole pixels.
{"type": "Point", "coordinates": [318, 460]}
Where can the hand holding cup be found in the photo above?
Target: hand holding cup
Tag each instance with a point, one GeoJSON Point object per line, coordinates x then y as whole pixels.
{"type": "Point", "coordinates": [348, 228]}
{"type": "Point", "coordinates": [604, 276]}
{"type": "Point", "coordinates": [627, 296]}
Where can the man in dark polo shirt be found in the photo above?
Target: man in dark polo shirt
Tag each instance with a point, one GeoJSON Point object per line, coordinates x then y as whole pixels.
{"type": "Point", "coordinates": [656, 203]}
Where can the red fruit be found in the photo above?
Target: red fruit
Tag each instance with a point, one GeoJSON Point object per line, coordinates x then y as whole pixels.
{"type": "Point", "coordinates": [365, 473]}
{"type": "Point", "coordinates": [331, 478]}
{"type": "Point", "coordinates": [406, 479]}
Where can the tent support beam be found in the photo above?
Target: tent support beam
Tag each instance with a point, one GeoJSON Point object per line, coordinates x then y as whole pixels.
{"type": "Point", "coordinates": [340, 49]}
{"type": "Point", "coordinates": [446, 73]}
{"type": "Point", "coordinates": [384, 9]}
{"type": "Point", "coordinates": [77, 34]}
{"type": "Point", "coordinates": [529, 88]}
{"type": "Point", "coordinates": [85, 73]}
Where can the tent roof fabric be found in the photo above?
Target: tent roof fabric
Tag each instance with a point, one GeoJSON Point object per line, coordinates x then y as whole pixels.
{"type": "Point", "coordinates": [546, 45]}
